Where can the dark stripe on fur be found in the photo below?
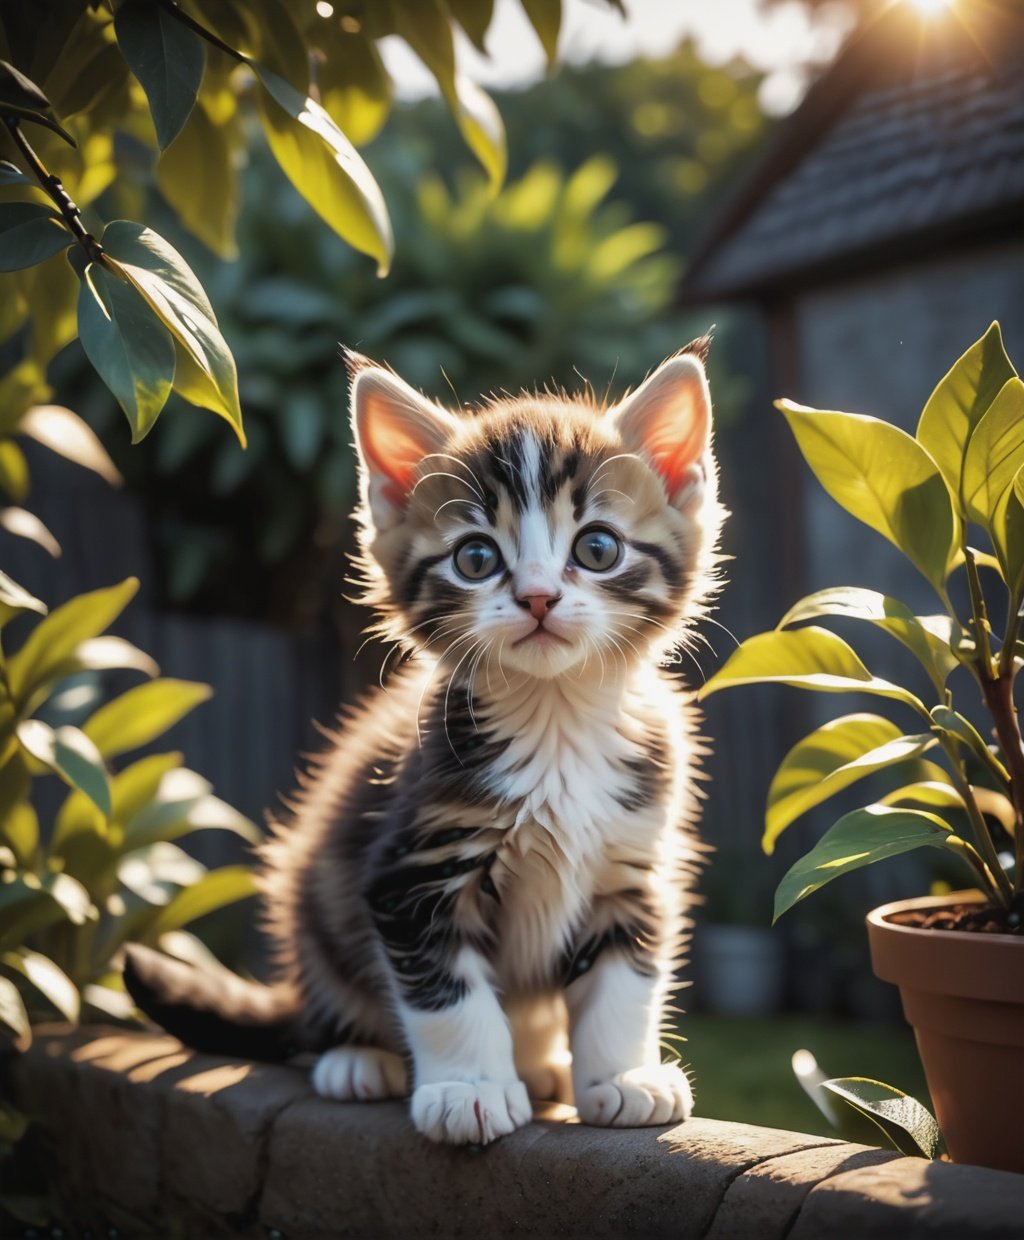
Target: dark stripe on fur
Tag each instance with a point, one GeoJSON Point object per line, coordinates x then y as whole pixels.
{"type": "Point", "coordinates": [219, 1014]}
{"type": "Point", "coordinates": [414, 581]}
{"type": "Point", "coordinates": [670, 570]}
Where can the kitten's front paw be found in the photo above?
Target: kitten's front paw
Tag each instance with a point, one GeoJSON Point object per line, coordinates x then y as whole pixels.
{"type": "Point", "coordinates": [461, 1113]}
{"type": "Point", "coordinates": [638, 1098]}
{"type": "Point", "coordinates": [360, 1074]}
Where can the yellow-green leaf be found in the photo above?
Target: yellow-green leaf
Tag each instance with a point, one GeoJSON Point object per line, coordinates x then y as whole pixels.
{"type": "Point", "coordinates": [69, 754]}
{"type": "Point", "coordinates": [128, 346]}
{"type": "Point", "coordinates": [213, 891]}
{"type": "Point", "coordinates": [67, 434]}
{"type": "Point", "coordinates": [176, 297]}
{"type": "Point", "coordinates": [546, 18]}
{"type": "Point", "coordinates": [15, 599]}
{"type": "Point", "coordinates": [48, 979]}
{"type": "Point", "coordinates": [25, 524]}
{"type": "Point", "coordinates": [960, 401]}
{"type": "Point", "coordinates": [326, 169]}
{"type": "Point", "coordinates": [995, 452]}
{"type": "Point", "coordinates": [55, 638]}
{"type": "Point", "coordinates": [13, 1015]}
{"type": "Point", "coordinates": [13, 470]}
{"type": "Point", "coordinates": [810, 658]}
{"type": "Point", "coordinates": [884, 478]}
{"type": "Point", "coordinates": [141, 714]}
{"type": "Point", "coordinates": [355, 87]}
{"type": "Point", "coordinates": [198, 177]}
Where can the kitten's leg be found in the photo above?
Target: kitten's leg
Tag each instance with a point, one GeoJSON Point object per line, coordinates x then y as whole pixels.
{"type": "Point", "coordinates": [360, 1074]}
{"type": "Point", "coordinates": [541, 1045]}
{"type": "Point", "coordinates": [466, 1087]}
{"type": "Point", "coordinates": [614, 1017]}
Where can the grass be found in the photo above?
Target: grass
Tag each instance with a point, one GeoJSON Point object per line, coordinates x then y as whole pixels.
{"type": "Point", "coordinates": [741, 1066]}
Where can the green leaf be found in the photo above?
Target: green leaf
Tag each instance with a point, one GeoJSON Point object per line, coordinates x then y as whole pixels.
{"type": "Point", "coordinates": [56, 638]}
{"type": "Point", "coordinates": [176, 297]}
{"type": "Point", "coordinates": [884, 478]}
{"type": "Point", "coordinates": [25, 524]}
{"type": "Point", "coordinates": [859, 838]}
{"type": "Point", "coordinates": [198, 177]}
{"type": "Point", "coordinates": [215, 890]}
{"type": "Point", "coordinates": [67, 434]}
{"type": "Point", "coordinates": [546, 18]}
{"type": "Point", "coordinates": [13, 470]}
{"type": "Point", "coordinates": [167, 58]}
{"type": "Point", "coordinates": [848, 1123]}
{"type": "Point", "coordinates": [326, 169]}
{"type": "Point", "coordinates": [15, 600]}
{"type": "Point", "coordinates": [10, 174]}
{"type": "Point", "coordinates": [951, 721]}
{"type": "Point", "coordinates": [925, 792]}
{"type": "Point", "coordinates": [52, 982]}
{"type": "Point", "coordinates": [830, 759]}
{"type": "Point", "coordinates": [810, 658]}
{"type": "Point", "coordinates": [128, 346]}
{"type": "Point", "coordinates": [995, 452]}
{"type": "Point", "coordinates": [29, 233]}
{"type": "Point", "coordinates": [928, 637]}
{"type": "Point", "coordinates": [960, 401]}
{"type": "Point", "coordinates": [1008, 536]}
{"type": "Point", "coordinates": [29, 904]}
{"type": "Point", "coordinates": [905, 1123]}
{"type": "Point", "coordinates": [141, 714]}
{"type": "Point", "coordinates": [22, 99]}
{"type": "Point", "coordinates": [137, 784]}
{"type": "Point", "coordinates": [481, 126]}
{"type": "Point", "coordinates": [474, 16]}
{"type": "Point", "coordinates": [69, 753]}
{"type": "Point", "coordinates": [103, 654]}
{"type": "Point", "coordinates": [13, 1015]}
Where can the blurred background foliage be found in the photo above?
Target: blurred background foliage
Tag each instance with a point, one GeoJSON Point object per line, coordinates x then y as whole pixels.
{"type": "Point", "coordinates": [563, 276]}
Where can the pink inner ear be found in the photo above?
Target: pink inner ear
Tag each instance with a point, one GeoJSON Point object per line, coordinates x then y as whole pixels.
{"type": "Point", "coordinates": [392, 451]}
{"type": "Point", "coordinates": [671, 456]}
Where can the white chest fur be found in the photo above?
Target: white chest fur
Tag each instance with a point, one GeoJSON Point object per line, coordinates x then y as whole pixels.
{"type": "Point", "coordinates": [562, 772]}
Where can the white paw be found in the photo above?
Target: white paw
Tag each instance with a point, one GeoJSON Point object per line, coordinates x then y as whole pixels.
{"type": "Point", "coordinates": [638, 1098]}
{"type": "Point", "coordinates": [462, 1113]}
{"type": "Point", "coordinates": [360, 1074]}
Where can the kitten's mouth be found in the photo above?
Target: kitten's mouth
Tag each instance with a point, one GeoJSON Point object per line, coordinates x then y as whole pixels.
{"type": "Point", "coordinates": [541, 635]}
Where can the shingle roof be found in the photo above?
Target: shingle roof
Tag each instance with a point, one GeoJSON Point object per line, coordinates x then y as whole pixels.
{"type": "Point", "coordinates": [885, 149]}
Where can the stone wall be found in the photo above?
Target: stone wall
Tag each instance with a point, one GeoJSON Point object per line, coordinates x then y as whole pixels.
{"type": "Point", "coordinates": [154, 1140]}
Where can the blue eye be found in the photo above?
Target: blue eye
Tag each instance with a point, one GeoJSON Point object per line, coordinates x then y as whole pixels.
{"type": "Point", "coordinates": [477, 558]}
{"type": "Point", "coordinates": [597, 549]}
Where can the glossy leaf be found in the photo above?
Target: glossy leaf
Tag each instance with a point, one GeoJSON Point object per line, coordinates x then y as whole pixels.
{"type": "Point", "coordinates": [141, 714]}
{"type": "Point", "coordinates": [474, 16]}
{"type": "Point", "coordinates": [326, 169]}
{"type": "Point", "coordinates": [56, 637]}
{"type": "Point", "coordinates": [830, 759]}
{"type": "Point", "coordinates": [67, 434]}
{"type": "Point", "coordinates": [904, 1122]}
{"type": "Point", "coordinates": [71, 755]}
{"type": "Point", "coordinates": [995, 452]}
{"type": "Point", "coordinates": [104, 654]}
{"type": "Point", "coordinates": [930, 792]}
{"type": "Point", "coordinates": [959, 402]}
{"type": "Point", "coordinates": [177, 298]}
{"type": "Point", "coordinates": [10, 174]}
{"type": "Point", "coordinates": [884, 478]}
{"type": "Point", "coordinates": [44, 975]}
{"type": "Point", "coordinates": [128, 346]}
{"type": "Point", "coordinates": [546, 18]}
{"type": "Point", "coordinates": [848, 1123]}
{"type": "Point", "coordinates": [928, 637]}
{"type": "Point", "coordinates": [1008, 536]}
{"type": "Point", "coordinates": [15, 600]}
{"type": "Point", "coordinates": [957, 725]}
{"type": "Point", "coordinates": [354, 85]}
{"type": "Point", "coordinates": [859, 838]}
{"type": "Point", "coordinates": [167, 58]}
{"type": "Point", "coordinates": [25, 524]}
{"type": "Point", "coordinates": [29, 233]}
{"type": "Point", "coordinates": [214, 891]}
{"type": "Point", "coordinates": [13, 1015]}
{"type": "Point", "coordinates": [22, 99]}
{"type": "Point", "coordinates": [810, 658]}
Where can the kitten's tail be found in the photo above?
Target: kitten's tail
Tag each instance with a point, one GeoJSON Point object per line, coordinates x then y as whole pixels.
{"type": "Point", "coordinates": [215, 1012]}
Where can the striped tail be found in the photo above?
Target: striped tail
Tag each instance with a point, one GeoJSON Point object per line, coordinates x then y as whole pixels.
{"type": "Point", "coordinates": [215, 1012]}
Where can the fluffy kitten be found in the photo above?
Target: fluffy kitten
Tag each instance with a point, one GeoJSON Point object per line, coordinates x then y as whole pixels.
{"type": "Point", "coordinates": [490, 865]}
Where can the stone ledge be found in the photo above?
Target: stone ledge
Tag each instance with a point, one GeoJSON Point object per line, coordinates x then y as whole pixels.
{"type": "Point", "coordinates": [160, 1141]}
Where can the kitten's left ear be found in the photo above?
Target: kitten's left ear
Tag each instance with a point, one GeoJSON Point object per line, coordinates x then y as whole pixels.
{"type": "Point", "coordinates": [667, 421]}
{"type": "Point", "coordinates": [395, 428]}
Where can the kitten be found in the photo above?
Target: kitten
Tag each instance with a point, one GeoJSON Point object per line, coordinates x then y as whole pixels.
{"type": "Point", "coordinates": [490, 866]}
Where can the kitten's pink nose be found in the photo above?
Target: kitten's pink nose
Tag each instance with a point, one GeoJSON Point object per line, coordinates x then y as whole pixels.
{"type": "Point", "coordinates": [537, 602]}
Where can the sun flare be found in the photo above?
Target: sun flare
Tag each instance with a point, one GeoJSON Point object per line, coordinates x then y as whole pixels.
{"type": "Point", "coordinates": [930, 8]}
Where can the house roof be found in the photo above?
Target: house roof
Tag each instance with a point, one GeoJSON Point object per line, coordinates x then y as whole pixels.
{"type": "Point", "coordinates": [900, 146]}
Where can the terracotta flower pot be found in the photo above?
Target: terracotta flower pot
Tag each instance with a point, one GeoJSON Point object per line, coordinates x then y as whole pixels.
{"type": "Point", "coordinates": [963, 993]}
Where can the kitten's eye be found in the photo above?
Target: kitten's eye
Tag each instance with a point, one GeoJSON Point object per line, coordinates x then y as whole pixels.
{"type": "Point", "coordinates": [477, 558]}
{"type": "Point", "coordinates": [597, 549]}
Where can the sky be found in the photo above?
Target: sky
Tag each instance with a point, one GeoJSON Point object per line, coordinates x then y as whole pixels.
{"type": "Point", "coordinates": [785, 40]}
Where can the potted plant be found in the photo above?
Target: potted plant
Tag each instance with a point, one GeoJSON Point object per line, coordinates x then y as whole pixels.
{"type": "Point", "coordinates": [958, 959]}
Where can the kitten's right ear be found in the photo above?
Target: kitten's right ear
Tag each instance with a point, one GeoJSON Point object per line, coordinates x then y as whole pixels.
{"type": "Point", "coordinates": [395, 428]}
